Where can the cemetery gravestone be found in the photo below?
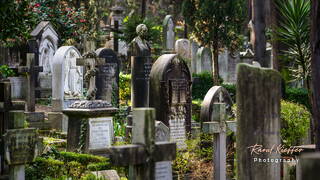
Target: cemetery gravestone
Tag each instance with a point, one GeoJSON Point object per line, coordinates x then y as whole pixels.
{"type": "Point", "coordinates": [89, 125]}
{"type": "Point", "coordinates": [47, 43]}
{"type": "Point", "coordinates": [183, 49]}
{"type": "Point", "coordinates": [204, 60]}
{"type": "Point", "coordinates": [18, 87]}
{"type": "Point", "coordinates": [163, 169]}
{"type": "Point", "coordinates": [258, 121]}
{"type": "Point", "coordinates": [35, 119]}
{"type": "Point", "coordinates": [20, 145]}
{"type": "Point", "coordinates": [142, 155]}
{"type": "Point", "coordinates": [67, 84]}
{"type": "Point", "coordinates": [170, 84]}
{"type": "Point", "coordinates": [168, 34]}
{"type": "Point", "coordinates": [247, 56]}
{"type": "Point", "coordinates": [227, 66]}
{"type": "Point", "coordinates": [91, 62]}
{"type": "Point", "coordinates": [67, 80]}
{"type": "Point", "coordinates": [194, 50]}
{"type": "Point", "coordinates": [140, 69]}
{"type": "Point", "coordinates": [107, 80]}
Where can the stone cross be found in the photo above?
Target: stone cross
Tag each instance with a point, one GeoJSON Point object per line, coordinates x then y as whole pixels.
{"type": "Point", "coordinates": [144, 152]}
{"type": "Point", "coordinates": [20, 145]}
{"type": "Point", "coordinates": [91, 61]}
{"type": "Point", "coordinates": [31, 70]}
{"type": "Point", "coordinates": [218, 128]}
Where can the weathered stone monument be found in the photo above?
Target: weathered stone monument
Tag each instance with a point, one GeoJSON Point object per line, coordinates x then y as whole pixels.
{"type": "Point", "coordinates": [67, 84]}
{"type": "Point", "coordinates": [163, 169]}
{"type": "Point", "coordinates": [214, 118]}
{"type": "Point", "coordinates": [21, 146]}
{"type": "Point", "coordinates": [183, 49]}
{"type": "Point", "coordinates": [168, 34]}
{"type": "Point", "coordinates": [90, 123]}
{"type": "Point", "coordinates": [258, 122]}
{"type": "Point", "coordinates": [144, 152]}
{"type": "Point", "coordinates": [107, 80]}
{"type": "Point", "coordinates": [47, 44]}
{"type": "Point", "coordinates": [204, 60]}
{"type": "Point", "coordinates": [140, 68]}
{"type": "Point", "coordinates": [227, 66]}
{"type": "Point", "coordinates": [193, 51]}
{"type": "Point", "coordinates": [170, 84]}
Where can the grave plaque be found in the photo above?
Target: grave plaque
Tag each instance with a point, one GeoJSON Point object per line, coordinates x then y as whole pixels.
{"type": "Point", "coordinates": [107, 80]}
{"type": "Point", "coordinates": [20, 146]}
{"type": "Point", "coordinates": [204, 60]}
{"type": "Point", "coordinates": [168, 33]}
{"type": "Point", "coordinates": [170, 83]}
{"type": "Point", "coordinates": [163, 170]}
{"type": "Point", "coordinates": [101, 132]}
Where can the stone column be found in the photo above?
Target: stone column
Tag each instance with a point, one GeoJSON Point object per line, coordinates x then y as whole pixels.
{"type": "Point", "coordinates": [258, 118]}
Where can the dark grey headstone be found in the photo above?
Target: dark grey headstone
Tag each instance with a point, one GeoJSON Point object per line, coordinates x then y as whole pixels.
{"type": "Point", "coordinates": [107, 79]}
{"type": "Point", "coordinates": [170, 84]}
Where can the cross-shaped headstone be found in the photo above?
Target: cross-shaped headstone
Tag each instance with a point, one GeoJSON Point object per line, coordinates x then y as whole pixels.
{"type": "Point", "coordinates": [218, 128]}
{"type": "Point", "coordinates": [31, 70]}
{"type": "Point", "coordinates": [91, 61]}
{"type": "Point", "coordinates": [144, 152]}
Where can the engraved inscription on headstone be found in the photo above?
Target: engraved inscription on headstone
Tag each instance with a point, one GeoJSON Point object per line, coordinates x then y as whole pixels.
{"type": "Point", "coordinates": [170, 82]}
{"type": "Point", "coordinates": [163, 170]}
{"type": "Point", "coordinates": [20, 145]}
{"type": "Point", "coordinates": [101, 132]}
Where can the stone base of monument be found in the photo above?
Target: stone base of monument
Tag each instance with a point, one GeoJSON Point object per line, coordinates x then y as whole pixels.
{"type": "Point", "coordinates": [37, 120]}
{"type": "Point", "coordinates": [90, 125]}
{"type": "Point", "coordinates": [58, 121]}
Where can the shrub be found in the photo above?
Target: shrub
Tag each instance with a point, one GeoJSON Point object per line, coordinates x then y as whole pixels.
{"type": "Point", "coordinates": [298, 95]}
{"type": "Point", "coordinates": [5, 71]}
{"type": "Point", "coordinates": [295, 122]}
{"type": "Point", "coordinates": [56, 164]}
{"type": "Point", "coordinates": [124, 88]}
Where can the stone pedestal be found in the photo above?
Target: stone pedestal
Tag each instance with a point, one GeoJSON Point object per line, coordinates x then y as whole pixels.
{"type": "Point", "coordinates": [89, 126]}
{"type": "Point", "coordinates": [58, 121]}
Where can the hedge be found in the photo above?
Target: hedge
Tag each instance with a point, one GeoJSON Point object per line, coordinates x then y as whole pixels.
{"type": "Point", "coordinates": [203, 82]}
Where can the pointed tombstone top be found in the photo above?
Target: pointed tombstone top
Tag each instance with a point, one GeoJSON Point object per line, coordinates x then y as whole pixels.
{"type": "Point", "coordinates": [247, 54]}
{"type": "Point", "coordinates": [42, 27]}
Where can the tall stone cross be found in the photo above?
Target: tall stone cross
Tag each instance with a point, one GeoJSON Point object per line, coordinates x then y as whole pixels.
{"type": "Point", "coordinates": [142, 155]}
{"type": "Point", "coordinates": [218, 128]}
{"type": "Point", "coordinates": [31, 70]}
{"type": "Point", "coordinates": [91, 61]}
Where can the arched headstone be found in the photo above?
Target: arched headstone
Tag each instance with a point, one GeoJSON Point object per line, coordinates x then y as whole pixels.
{"type": "Point", "coordinates": [67, 79]}
{"type": "Point", "coordinates": [107, 80]}
{"type": "Point", "coordinates": [47, 43]}
{"type": "Point", "coordinates": [170, 84]}
{"type": "Point", "coordinates": [168, 33]}
{"type": "Point", "coordinates": [204, 60]}
{"type": "Point", "coordinates": [217, 94]}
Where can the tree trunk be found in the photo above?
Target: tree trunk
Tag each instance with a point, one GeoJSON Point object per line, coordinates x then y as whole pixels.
{"type": "Point", "coordinates": [315, 66]}
{"type": "Point", "coordinates": [259, 25]}
{"type": "Point", "coordinates": [275, 16]}
{"type": "Point", "coordinates": [215, 64]}
{"type": "Point", "coordinates": [143, 8]}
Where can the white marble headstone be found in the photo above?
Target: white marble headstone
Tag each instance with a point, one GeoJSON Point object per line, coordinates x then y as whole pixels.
{"type": "Point", "coordinates": [67, 79]}
{"type": "Point", "coordinates": [169, 36]}
{"type": "Point", "coordinates": [182, 47]}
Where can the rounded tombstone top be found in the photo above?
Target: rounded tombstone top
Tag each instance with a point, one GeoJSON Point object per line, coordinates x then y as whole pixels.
{"type": "Point", "coordinates": [216, 94]}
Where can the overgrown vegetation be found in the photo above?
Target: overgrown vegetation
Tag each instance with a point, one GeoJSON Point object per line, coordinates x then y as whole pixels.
{"type": "Point", "coordinates": [5, 72]}
{"type": "Point", "coordinates": [295, 122]}
{"type": "Point", "coordinates": [59, 164]}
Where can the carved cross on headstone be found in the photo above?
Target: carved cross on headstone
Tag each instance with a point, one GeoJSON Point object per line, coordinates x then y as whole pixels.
{"type": "Point", "coordinates": [31, 70]}
{"type": "Point", "coordinates": [144, 152]}
{"type": "Point", "coordinates": [91, 61]}
{"type": "Point", "coordinates": [218, 128]}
